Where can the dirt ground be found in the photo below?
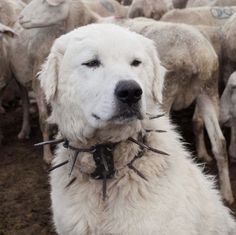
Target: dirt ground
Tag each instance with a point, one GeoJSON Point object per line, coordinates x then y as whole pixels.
{"type": "Point", "coordinates": [24, 189]}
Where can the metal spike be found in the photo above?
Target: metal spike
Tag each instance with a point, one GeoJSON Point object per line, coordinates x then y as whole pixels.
{"type": "Point", "coordinates": [159, 131]}
{"type": "Point", "coordinates": [136, 171]}
{"type": "Point", "coordinates": [74, 161]}
{"type": "Point", "coordinates": [104, 186]}
{"type": "Point", "coordinates": [59, 165]}
{"type": "Point", "coordinates": [156, 116]}
{"type": "Point", "coordinates": [71, 182]}
{"type": "Point", "coordinates": [104, 162]}
{"type": "Point", "coordinates": [147, 147]}
{"type": "Point", "coordinates": [50, 142]}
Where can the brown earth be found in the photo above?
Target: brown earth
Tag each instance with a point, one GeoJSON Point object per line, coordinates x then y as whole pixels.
{"type": "Point", "coordinates": [24, 189]}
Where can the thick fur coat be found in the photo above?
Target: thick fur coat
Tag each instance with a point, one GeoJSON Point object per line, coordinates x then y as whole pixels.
{"type": "Point", "coordinates": [80, 78]}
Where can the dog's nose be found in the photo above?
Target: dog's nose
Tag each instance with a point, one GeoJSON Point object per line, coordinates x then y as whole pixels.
{"type": "Point", "coordinates": [128, 91]}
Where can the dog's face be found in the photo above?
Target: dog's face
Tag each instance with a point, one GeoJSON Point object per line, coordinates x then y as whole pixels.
{"type": "Point", "coordinates": [101, 77]}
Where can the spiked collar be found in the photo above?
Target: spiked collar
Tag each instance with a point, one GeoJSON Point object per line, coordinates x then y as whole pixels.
{"type": "Point", "coordinates": [103, 157]}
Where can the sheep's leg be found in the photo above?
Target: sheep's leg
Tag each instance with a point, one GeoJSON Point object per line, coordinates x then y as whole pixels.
{"type": "Point", "coordinates": [43, 115]}
{"type": "Point", "coordinates": [2, 110]}
{"type": "Point", "coordinates": [209, 113]}
{"type": "Point", "coordinates": [25, 129]}
{"type": "Point", "coordinates": [232, 147]}
{"type": "Point", "coordinates": [198, 128]}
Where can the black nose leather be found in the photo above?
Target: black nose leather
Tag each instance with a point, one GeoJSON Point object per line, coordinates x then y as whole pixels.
{"type": "Point", "coordinates": [128, 91]}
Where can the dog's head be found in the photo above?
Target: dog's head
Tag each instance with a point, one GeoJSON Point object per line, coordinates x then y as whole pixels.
{"type": "Point", "coordinates": [102, 79]}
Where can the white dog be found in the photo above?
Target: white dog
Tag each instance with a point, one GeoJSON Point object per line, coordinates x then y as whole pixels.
{"type": "Point", "coordinates": [104, 83]}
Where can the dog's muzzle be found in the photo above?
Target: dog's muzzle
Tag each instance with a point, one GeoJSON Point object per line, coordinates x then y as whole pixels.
{"type": "Point", "coordinates": [128, 95]}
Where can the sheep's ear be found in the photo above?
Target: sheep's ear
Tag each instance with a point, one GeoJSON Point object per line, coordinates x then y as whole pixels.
{"type": "Point", "coordinates": [5, 30]}
{"type": "Point", "coordinates": [48, 76]}
{"type": "Point", "coordinates": [159, 76]}
{"type": "Point", "coordinates": [55, 2]}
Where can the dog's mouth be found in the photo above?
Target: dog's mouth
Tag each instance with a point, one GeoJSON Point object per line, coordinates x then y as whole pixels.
{"type": "Point", "coordinates": [126, 116]}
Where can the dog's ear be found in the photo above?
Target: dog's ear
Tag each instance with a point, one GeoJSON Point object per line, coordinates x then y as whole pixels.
{"type": "Point", "coordinates": [159, 72]}
{"type": "Point", "coordinates": [5, 30]}
{"type": "Point", "coordinates": [49, 73]}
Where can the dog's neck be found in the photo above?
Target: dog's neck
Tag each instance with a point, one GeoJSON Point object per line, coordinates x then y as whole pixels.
{"type": "Point", "coordinates": [103, 155]}
{"type": "Point", "coordinates": [108, 160]}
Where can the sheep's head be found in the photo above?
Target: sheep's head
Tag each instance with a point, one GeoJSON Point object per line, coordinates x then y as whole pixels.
{"type": "Point", "coordinates": [228, 101]}
{"type": "Point", "coordinates": [229, 32]}
{"type": "Point", "coordinates": [149, 8]}
{"type": "Point", "coordinates": [44, 13]}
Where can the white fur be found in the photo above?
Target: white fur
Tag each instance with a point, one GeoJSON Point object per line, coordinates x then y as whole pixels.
{"type": "Point", "coordinates": [177, 198]}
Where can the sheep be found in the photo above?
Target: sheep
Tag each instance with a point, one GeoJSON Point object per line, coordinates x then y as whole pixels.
{"type": "Point", "coordinates": [199, 3]}
{"type": "Point", "coordinates": [223, 40]}
{"type": "Point", "coordinates": [5, 72]}
{"type": "Point", "coordinates": [9, 11]}
{"type": "Point", "coordinates": [107, 8]}
{"type": "Point", "coordinates": [211, 16]}
{"type": "Point", "coordinates": [228, 112]}
{"type": "Point", "coordinates": [192, 68]}
{"type": "Point", "coordinates": [210, 27]}
{"type": "Point", "coordinates": [229, 47]}
{"type": "Point", "coordinates": [149, 8]}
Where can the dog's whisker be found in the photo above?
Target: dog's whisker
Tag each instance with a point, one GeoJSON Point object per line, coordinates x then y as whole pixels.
{"type": "Point", "coordinates": [159, 131]}
{"type": "Point", "coordinates": [71, 182]}
{"type": "Point", "coordinates": [147, 147]}
{"type": "Point", "coordinates": [59, 165]}
{"type": "Point", "coordinates": [136, 171]}
{"type": "Point", "coordinates": [104, 186]}
{"type": "Point", "coordinates": [74, 161]}
{"type": "Point", "coordinates": [58, 141]}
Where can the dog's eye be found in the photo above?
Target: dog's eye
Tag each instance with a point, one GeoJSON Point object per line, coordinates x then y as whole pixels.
{"type": "Point", "coordinates": [136, 63]}
{"type": "Point", "coordinates": [92, 64]}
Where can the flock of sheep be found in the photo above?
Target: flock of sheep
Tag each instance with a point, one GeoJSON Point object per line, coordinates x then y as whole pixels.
{"type": "Point", "coordinates": [196, 44]}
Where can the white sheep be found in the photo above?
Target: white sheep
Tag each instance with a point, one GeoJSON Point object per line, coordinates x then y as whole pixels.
{"type": "Point", "coordinates": [223, 40]}
{"type": "Point", "coordinates": [228, 112]}
{"type": "Point", "coordinates": [211, 16]}
{"type": "Point", "coordinates": [9, 12]}
{"type": "Point", "coordinates": [107, 7]}
{"type": "Point", "coordinates": [38, 13]}
{"type": "Point", "coordinates": [199, 3]}
{"type": "Point", "coordinates": [149, 8]}
{"type": "Point", "coordinates": [5, 72]}
{"type": "Point", "coordinates": [229, 47]}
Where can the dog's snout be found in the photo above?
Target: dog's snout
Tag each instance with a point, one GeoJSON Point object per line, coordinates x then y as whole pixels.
{"type": "Point", "coordinates": [128, 92]}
